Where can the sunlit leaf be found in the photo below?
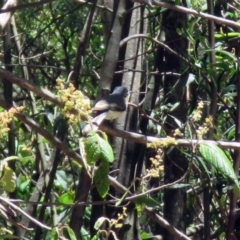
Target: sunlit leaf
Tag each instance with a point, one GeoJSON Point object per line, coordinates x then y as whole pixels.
{"type": "Point", "coordinates": [92, 147]}
{"type": "Point", "coordinates": [8, 180]}
{"type": "Point", "coordinates": [98, 148]}
{"type": "Point", "coordinates": [99, 222]}
{"type": "Point", "coordinates": [67, 197]}
{"type": "Point", "coordinates": [101, 179]}
{"type": "Point", "coordinates": [71, 233]}
{"type": "Point", "coordinates": [217, 158]}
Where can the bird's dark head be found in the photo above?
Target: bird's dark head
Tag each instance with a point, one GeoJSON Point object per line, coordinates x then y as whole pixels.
{"type": "Point", "coordinates": [121, 91]}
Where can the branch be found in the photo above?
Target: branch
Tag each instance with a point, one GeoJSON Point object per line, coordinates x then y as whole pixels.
{"type": "Point", "coordinates": [46, 94]}
{"type": "Point", "coordinates": [27, 5]}
{"type": "Point", "coordinates": [138, 138]}
{"type": "Point", "coordinates": [196, 13]}
{"type": "Point", "coordinates": [161, 221]}
{"type": "Point", "coordinates": [125, 40]}
{"type": "Point", "coordinates": [22, 212]}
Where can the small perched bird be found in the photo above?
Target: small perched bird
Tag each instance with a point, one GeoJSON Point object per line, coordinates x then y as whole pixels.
{"type": "Point", "coordinates": [109, 108]}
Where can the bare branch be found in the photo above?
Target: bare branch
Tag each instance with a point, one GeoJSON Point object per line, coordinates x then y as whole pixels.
{"type": "Point", "coordinates": [125, 40]}
{"type": "Point", "coordinates": [30, 87]}
{"type": "Point", "coordinates": [196, 13]}
{"type": "Point", "coordinates": [6, 200]}
{"type": "Point", "coordinates": [27, 5]}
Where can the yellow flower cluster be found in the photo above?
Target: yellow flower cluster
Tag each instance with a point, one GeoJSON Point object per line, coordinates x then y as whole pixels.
{"type": "Point", "coordinates": [197, 114]}
{"type": "Point", "coordinates": [76, 106]}
{"type": "Point", "coordinates": [6, 117]}
{"type": "Point", "coordinates": [202, 130]}
{"type": "Point", "coordinates": [157, 161]}
{"type": "Point", "coordinates": [157, 164]}
{"type": "Point", "coordinates": [116, 222]}
{"type": "Point", "coordinates": [177, 133]}
{"type": "Point", "coordinates": [168, 141]}
{"type": "Point", "coordinates": [208, 123]}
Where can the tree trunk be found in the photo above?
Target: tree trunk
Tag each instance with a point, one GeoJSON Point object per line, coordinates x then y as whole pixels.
{"type": "Point", "coordinates": [174, 92]}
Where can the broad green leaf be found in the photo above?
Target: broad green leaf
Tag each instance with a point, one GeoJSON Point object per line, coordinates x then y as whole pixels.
{"type": "Point", "coordinates": [98, 148]}
{"type": "Point", "coordinates": [106, 150]}
{"type": "Point", "coordinates": [103, 187]}
{"type": "Point", "coordinates": [93, 151]}
{"type": "Point", "coordinates": [67, 197]}
{"type": "Point", "coordinates": [71, 234]}
{"type": "Point", "coordinates": [218, 159]}
{"type": "Point", "coordinates": [101, 179]}
{"type": "Point", "coordinates": [8, 180]}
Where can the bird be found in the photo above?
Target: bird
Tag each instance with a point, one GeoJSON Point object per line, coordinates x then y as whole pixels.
{"type": "Point", "coordinates": [109, 108]}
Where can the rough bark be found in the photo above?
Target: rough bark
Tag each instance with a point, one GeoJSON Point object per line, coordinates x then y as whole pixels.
{"type": "Point", "coordinates": [111, 55]}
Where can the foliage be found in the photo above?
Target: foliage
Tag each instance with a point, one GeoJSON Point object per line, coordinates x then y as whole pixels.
{"type": "Point", "coordinates": [63, 49]}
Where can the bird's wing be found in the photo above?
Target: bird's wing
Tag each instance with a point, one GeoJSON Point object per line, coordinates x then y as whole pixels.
{"type": "Point", "coordinates": [102, 105]}
{"type": "Point", "coordinates": [98, 119]}
{"type": "Point", "coordinates": [116, 103]}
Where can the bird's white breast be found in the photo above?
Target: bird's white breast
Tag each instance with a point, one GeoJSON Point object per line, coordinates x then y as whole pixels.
{"type": "Point", "coordinates": [113, 115]}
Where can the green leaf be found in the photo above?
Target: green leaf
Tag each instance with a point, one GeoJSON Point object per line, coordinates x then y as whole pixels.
{"type": "Point", "coordinates": [106, 150]}
{"type": "Point", "coordinates": [220, 36]}
{"type": "Point", "coordinates": [98, 148]}
{"type": "Point", "coordinates": [101, 179]}
{"type": "Point", "coordinates": [99, 222]}
{"type": "Point", "coordinates": [218, 159]}
{"type": "Point", "coordinates": [96, 237]}
{"type": "Point", "coordinates": [71, 233]}
{"type": "Point", "coordinates": [145, 235]}
{"type": "Point", "coordinates": [54, 234]}
{"type": "Point", "coordinates": [24, 185]}
{"type": "Point", "coordinates": [67, 197]}
{"type": "Point", "coordinates": [147, 201]}
{"type": "Point", "coordinates": [92, 148]}
{"type": "Point", "coordinates": [85, 235]}
{"type": "Point", "coordinates": [8, 180]}
{"type": "Point", "coordinates": [26, 159]}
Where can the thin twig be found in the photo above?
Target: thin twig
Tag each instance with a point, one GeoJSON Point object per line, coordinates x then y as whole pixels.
{"type": "Point", "coordinates": [196, 13]}
{"type": "Point", "coordinates": [25, 214]}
